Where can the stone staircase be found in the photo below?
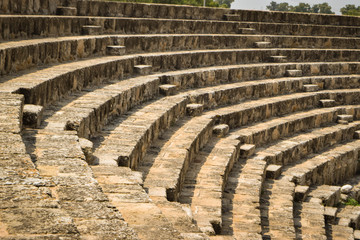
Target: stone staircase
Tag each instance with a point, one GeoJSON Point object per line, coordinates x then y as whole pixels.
{"type": "Point", "coordinates": [154, 121]}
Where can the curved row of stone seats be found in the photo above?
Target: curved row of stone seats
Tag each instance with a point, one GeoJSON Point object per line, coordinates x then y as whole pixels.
{"type": "Point", "coordinates": [53, 26]}
{"type": "Point", "coordinates": [108, 8]}
{"type": "Point", "coordinates": [126, 140]}
{"type": "Point", "coordinates": [184, 143]}
{"type": "Point", "coordinates": [330, 168]}
{"type": "Point", "coordinates": [19, 55]}
{"type": "Point", "coordinates": [301, 29]}
{"type": "Point", "coordinates": [103, 8]}
{"type": "Point", "coordinates": [33, 84]}
{"type": "Point", "coordinates": [206, 178]}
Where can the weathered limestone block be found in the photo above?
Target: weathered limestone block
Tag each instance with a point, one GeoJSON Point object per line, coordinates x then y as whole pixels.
{"type": "Point", "coordinates": [167, 89]}
{"type": "Point", "coordinates": [346, 189]}
{"type": "Point", "coordinates": [357, 234]}
{"type": "Point", "coordinates": [278, 59]}
{"type": "Point", "coordinates": [247, 150]}
{"type": "Point", "coordinates": [194, 109]}
{"type": "Point", "coordinates": [90, 29]}
{"type": "Point", "coordinates": [327, 103]}
{"type": "Point", "coordinates": [293, 73]}
{"type": "Point", "coordinates": [301, 193]}
{"type": "Point", "coordinates": [32, 115]}
{"type": "Point", "coordinates": [66, 11]}
{"type": "Point", "coordinates": [329, 195]}
{"type": "Point", "coordinates": [273, 171]}
{"type": "Point", "coordinates": [221, 130]}
{"type": "Point", "coordinates": [115, 50]}
{"type": "Point", "coordinates": [142, 69]}
{"type": "Point", "coordinates": [311, 87]}
{"type": "Point", "coordinates": [262, 44]}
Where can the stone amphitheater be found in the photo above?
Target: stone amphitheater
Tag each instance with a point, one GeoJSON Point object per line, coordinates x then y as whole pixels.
{"type": "Point", "coordinates": [150, 121]}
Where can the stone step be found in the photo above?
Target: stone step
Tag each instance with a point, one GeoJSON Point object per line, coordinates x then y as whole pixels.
{"type": "Point", "coordinates": [327, 103]}
{"type": "Point", "coordinates": [123, 188]}
{"type": "Point", "coordinates": [115, 50]}
{"type": "Point", "coordinates": [167, 89]}
{"type": "Point", "coordinates": [221, 130]}
{"type": "Point", "coordinates": [206, 178]}
{"type": "Point", "coordinates": [329, 195]}
{"type": "Point", "coordinates": [194, 109]}
{"type": "Point", "coordinates": [124, 142]}
{"type": "Point", "coordinates": [182, 145]}
{"type": "Point", "coordinates": [294, 73]}
{"type": "Point", "coordinates": [32, 115]}
{"type": "Point", "coordinates": [311, 87]}
{"type": "Point", "coordinates": [342, 232]}
{"type": "Point", "coordinates": [262, 44]}
{"type": "Point", "coordinates": [232, 17]}
{"type": "Point", "coordinates": [66, 11]}
{"type": "Point", "coordinates": [278, 59]}
{"type": "Point", "coordinates": [277, 205]}
{"type": "Point", "coordinates": [241, 214]}
{"type": "Point", "coordinates": [350, 212]}
{"type": "Point", "coordinates": [143, 69]}
{"type": "Point", "coordinates": [312, 219]}
{"type": "Point", "coordinates": [91, 29]}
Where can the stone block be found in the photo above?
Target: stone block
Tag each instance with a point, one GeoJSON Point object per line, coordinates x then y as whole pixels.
{"type": "Point", "coordinates": [32, 115]}
{"type": "Point", "coordinates": [357, 134]}
{"type": "Point", "coordinates": [232, 17]}
{"type": "Point", "coordinates": [346, 189]}
{"type": "Point", "coordinates": [273, 171]}
{"type": "Point", "coordinates": [66, 11]}
{"type": "Point", "coordinates": [357, 234]}
{"type": "Point", "coordinates": [115, 50]}
{"type": "Point", "coordinates": [262, 44]}
{"type": "Point", "coordinates": [278, 59]}
{"type": "Point", "coordinates": [346, 117]}
{"type": "Point", "coordinates": [194, 109]}
{"type": "Point", "coordinates": [87, 148]}
{"type": "Point", "coordinates": [301, 193]}
{"type": "Point", "coordinates": [167, 89]}
{"type": "Point", "coordinates": [91, 30]}
{"type": "Point", "coordinates": [247, 150]}
{"type": "Point", "coordinates": [311, 87]}
{"type": "Point", "coordinates": [246, 31]}
{"type": "Point", "coordinates": [330, 214]}
{"type": "Point", "coordinates": [142, 69]}
{"type": "Point", "coordinates": [343, 122]}
{"type": "Point", "coordinates": [327, 103]}
{"type": "Point", "coordinates": [157, 192]}
{"type": "Point", "coordinates": [293, 73]}
{"type": "Point", "coordinates": [221, 130]}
